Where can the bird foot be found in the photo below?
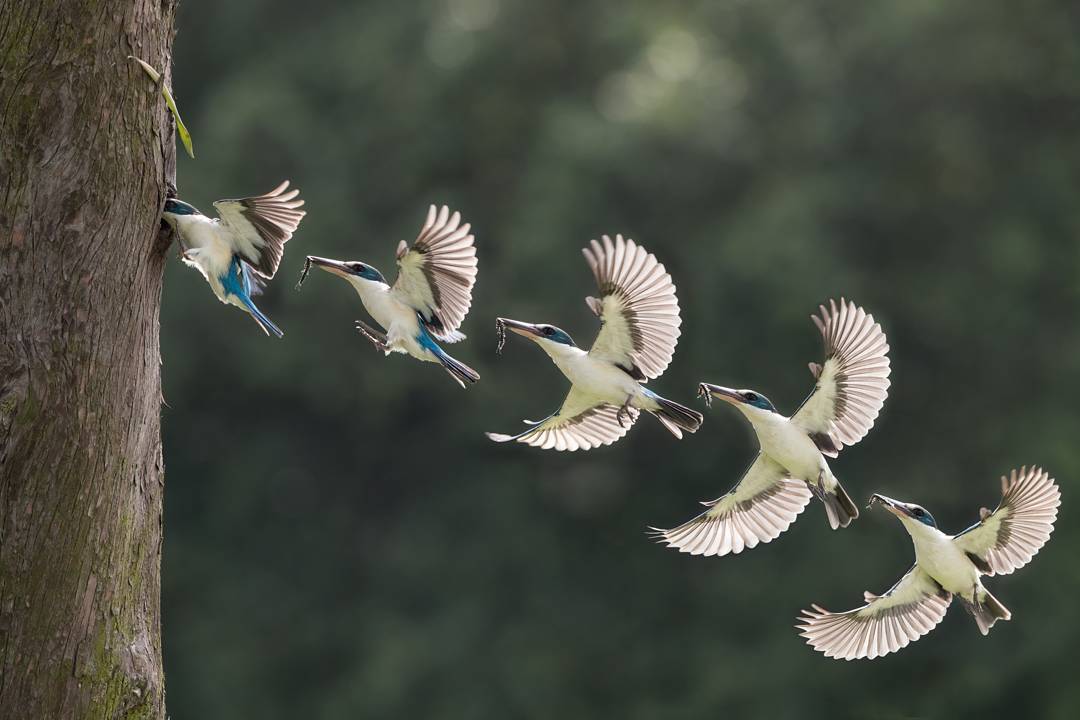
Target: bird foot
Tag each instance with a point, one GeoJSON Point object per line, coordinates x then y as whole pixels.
{"type": "Point", "coordinates": [377, 338]}
{"type": "Point", "coordinates": [624, 411]}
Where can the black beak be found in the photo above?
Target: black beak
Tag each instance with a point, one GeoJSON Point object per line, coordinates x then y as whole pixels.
{"type": "Point", "coordinates": [709, 391]}
{"type": "Point", "coordinates": [896, 507]}
{"type": "Point", "coordinates": [335, 267]}
{"type": "Point", "coordinates": [521, 328]}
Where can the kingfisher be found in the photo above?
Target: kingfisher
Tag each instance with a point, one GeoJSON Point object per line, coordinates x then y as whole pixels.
{"type": "Point", "coordinates": [791, 465]}
{"type": "Point", "coordinates": [430, 298]}
{"type": "Point", "coordinates": [639, 327]}
{"type": "Point", "coordinates": [946, 566]}
{"type": "Point", "coordinates": [238, 251]}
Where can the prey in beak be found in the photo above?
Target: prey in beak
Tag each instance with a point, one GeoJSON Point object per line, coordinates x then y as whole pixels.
{"type": "Point", "coordinates": [531, 331]}
{"type": "Point", "coordinates": [896, 507]}
{"type": "Point", "coordinates": [335, 267]}
{"type": "Point", "coordinates": [521, 328]}
{"type": "Point", "coordinates": [710, 391]}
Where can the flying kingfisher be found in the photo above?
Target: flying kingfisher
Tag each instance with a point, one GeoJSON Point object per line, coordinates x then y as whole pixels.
{"type": "Point", "coordinates": [241, 249]}
{"type": "Point", "coordinates": [945, 566]}
{"type": "Point", "coordinates": [430, 298]}
{"type": "Point", "coordinates": [639, 316]}
{"type": "Point", "coordinates": [791, 467]}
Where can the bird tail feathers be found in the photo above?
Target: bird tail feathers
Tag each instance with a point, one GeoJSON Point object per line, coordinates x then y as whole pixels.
{"type": "Point", "coordinates": [265, 323]}
{"type": "Point", "coordinates": [838, 504]}
{"type": "Point", "coordinates": [458, 370]}
{"type": "Point", "coordinates": [676, 417]}
{"type": "Point", "coordinates": [986, 612]}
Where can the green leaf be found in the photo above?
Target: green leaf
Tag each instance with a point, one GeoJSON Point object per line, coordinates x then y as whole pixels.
{"type": "Point", "coordinates": [181, 129]}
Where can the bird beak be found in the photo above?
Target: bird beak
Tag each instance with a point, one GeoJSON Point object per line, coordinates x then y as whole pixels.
{"type": "Point", "coordinates": [896, 507]}
{"type": "Point", "coordinates": [334, 267]}
{"type": "Point", "coordinates": [709, 391]}
{"type": "Point", "coordinates": [521, 328]}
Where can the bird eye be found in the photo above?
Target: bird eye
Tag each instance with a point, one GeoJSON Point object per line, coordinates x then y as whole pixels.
{"type": "Point", "coordinates": [919, 512]}
{"type": "Point", "coordinates": [549, 331]}
{"type": "Point", "coordinates": [751, 397]}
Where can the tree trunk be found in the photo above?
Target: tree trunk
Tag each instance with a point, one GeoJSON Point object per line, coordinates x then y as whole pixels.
{"type": "Point", "coordinates": [86, 150]}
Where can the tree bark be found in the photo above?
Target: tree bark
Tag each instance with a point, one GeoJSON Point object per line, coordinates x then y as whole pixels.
{"type": "Point", "coordinates": [86, 152]}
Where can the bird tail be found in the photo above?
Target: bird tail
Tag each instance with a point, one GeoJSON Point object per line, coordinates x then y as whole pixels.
{"type": "Point", "coordinates": [457, 369]}
{"type": "Point", "coordinates": [676, 417]}
{"type": "Point", "coordinates": [986, 611]}
{"type": "Point", "coordinates": [838, 504]}
{"type": "Point", "coordinates": [265, 323]}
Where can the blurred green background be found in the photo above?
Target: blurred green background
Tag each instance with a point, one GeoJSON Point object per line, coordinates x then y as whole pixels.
{"type": "Point", "coordinates": [341, 539]}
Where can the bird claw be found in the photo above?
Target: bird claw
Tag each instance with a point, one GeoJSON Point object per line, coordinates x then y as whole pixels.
{"type": "Point", "coordinates": [377, 339]}
{"type": "Point", "coordinates": [623, 411]}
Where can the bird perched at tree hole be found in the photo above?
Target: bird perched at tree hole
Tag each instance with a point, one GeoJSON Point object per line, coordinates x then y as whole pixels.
{"type": "Point", "coordinates": [639, 317]}
{"type": "Point", "coordinates": [791, 465]}
{"type": "Point", "coordinates": [241, 249]}
{"type": "Point", "coordinates": [946, 566]}
{"type": "Point", "coordinates": [430, 298]}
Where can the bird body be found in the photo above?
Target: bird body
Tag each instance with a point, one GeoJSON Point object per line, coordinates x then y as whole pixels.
{"type": "Point", "coordinates": [946, 566]}
{"type": "Point", "coordinates": [428, 301]}
{"type": "Point", "coordinates": [240, 250]}
{"type": "Point", "coordinates": [791, 466]}
{"type": "Point", "coordinates": [942, 559]}
{"type": "Point", "coordinates": [790, 447]}
{"type": "Point", "coordinates": [404, 332]}
{"type": "Point", "coordinates": [639, 317]}
{"type": "Point", "coordinates": [596, 379]}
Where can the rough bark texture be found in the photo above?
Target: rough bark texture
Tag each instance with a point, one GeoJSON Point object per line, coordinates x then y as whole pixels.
{"type": "Point", "coordinates": [85, 151]}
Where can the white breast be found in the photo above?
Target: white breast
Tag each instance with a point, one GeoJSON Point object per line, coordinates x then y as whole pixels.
{"type": "Point", "coordinates": [205, 248]}
{"type": "Point", "coordinates": [787, 445]}
{"type": "Point", "coordinates": [938, 555]}
{"type": "Point", "coordinates": [601, 379]}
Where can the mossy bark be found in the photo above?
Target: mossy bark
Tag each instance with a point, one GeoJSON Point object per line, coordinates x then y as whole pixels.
{"type": "Point", "coordinates": [86, 153]}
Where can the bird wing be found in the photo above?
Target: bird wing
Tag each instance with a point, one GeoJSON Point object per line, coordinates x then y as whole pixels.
{"type": "Point", "coordinates": [853, 382]}
{"type": "Point", "coordinates": [1009, 537]}
{"type": "Point", "coordinates": [260, 226]}
{"type": "Point", "coordinates": [436, 275]}
{"type": "Point", "coordinates": [764, 504]}
{"type": "Point", "coordinates": [580, 424]}
{"type": "Point", "coordinates": [885, 624]}
{"type": "Point", "coordinates": [638, 310]}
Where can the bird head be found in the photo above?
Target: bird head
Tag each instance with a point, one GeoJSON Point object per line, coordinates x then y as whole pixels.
{"type": "Point", "coordinates": [549, 337]}
{"type": "Point", "coordinates": [177, 208]}
{"type": "Point", "coordinates": [909, 514]}
{"type": "Point", "coordinates": [750, 402]}
{"type": "Point", "coordinates": [353, 271]}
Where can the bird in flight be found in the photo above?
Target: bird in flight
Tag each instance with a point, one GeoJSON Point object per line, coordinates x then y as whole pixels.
{"type": "Point", "coordinates": [238, 251]}
{"type": "Point", "coordinates": [946, 566]}
{"type": "Point", "coordinates": [791, 465]}
{"type": "Point", "coordinates": [639, 327]}
{"type": "Point", "coordinates": [430, 298]}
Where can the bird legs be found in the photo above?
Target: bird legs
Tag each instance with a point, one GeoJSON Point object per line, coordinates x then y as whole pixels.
{"type": "Point", "coordinates": [377, 338]}
{"type": "Point", "coordinates": [624, 411]}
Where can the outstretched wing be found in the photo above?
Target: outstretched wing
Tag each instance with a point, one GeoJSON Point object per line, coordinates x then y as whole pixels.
{"type": "Point", "coordinates": [436, 275]}
{"type": "Point", "coordinates": [764, 504]}
{"type": "Point", "coordinates": [637, 307]}
{"type": "Point", "coordinates": [1009, 537]}
{"type": "Point", "coordinates": [912, 608]}
{"type": "Point", "coordinates": [853, 382]}
{"type": "Point", "coordinates": [261, 225]}
{"type": "Point", "coordinates": [580, 424]}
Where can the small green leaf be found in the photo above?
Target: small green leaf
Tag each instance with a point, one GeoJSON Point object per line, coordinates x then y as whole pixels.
{"type": "Point", "coordinates": [181, 129]}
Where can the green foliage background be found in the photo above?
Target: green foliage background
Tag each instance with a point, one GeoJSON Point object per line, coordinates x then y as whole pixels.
{"type": "Point", "coordinates": [342, 541]}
